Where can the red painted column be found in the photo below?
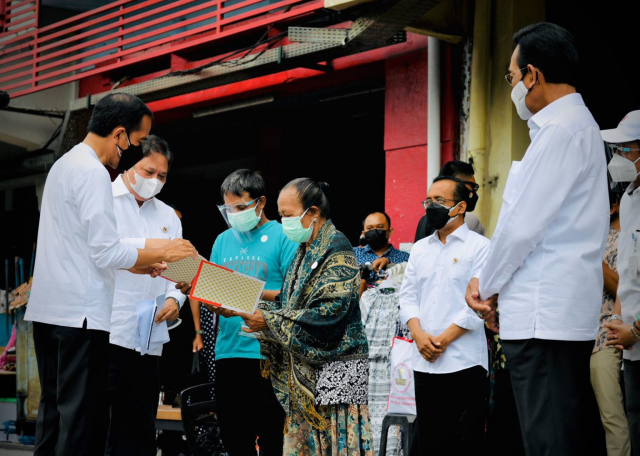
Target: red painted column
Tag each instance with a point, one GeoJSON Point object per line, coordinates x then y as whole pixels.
{"type": "Point", "coordinates": [405, 137]}
{"type": "Point", "coordinates": [405, 142]}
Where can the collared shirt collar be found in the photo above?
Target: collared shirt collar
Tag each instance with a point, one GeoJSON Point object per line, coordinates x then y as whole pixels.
{"type": "Point", "coordinates": [546, 114]}
{"type": "Point", "coordinates": [118, 188]}
{"type": "Point", "coordinates": [461, 233]}
{"type": "Point", "coordinates": [631, 189]}
{"type": "Point", "coordinates": [368, 249]}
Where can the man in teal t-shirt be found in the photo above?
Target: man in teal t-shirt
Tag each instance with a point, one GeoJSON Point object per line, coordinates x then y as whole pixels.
{"type": "Point", "coordinates": [256, 247]}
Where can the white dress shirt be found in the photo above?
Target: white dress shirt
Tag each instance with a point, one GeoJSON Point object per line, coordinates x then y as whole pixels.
{"type": "Point", "coordinates": [78, 245]}
{"type": "Point", "coordinates": [433, 291]}
{"type": "Point", "coordinates": [629, 289]}
{"type": "Point", "coordinates": [546, 253]}
{"type": "Point", "coordinates": [153, 220]}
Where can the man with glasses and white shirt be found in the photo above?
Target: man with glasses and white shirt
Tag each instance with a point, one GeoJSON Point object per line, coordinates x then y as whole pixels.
{"type": "Point", "coordinates": [143, 221]}
{"type": "Point", "coordinates": [450, 359]}
{"type": "Point", "coordinates": [545, 260]}
{"type": "Point", "coordinates": [624, 326]}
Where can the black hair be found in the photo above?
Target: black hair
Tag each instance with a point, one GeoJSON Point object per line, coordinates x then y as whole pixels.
{"type": "Point", "coordinates": [460, 192]}
{"type": "Point", "coordinates": [552, 49]}
{"type": "Point", "coordinates": [155, 144]}
{"type": "Point", "coordinates": [244, 180]}
{"type": "Point", "coordinates": [457, 168]}
{"type": "Point", "coordinates": [378, 212]}
{"type": "Point", "coordinates": [118, 110]}
{"type": "Point", "coordinates": [312, 193]}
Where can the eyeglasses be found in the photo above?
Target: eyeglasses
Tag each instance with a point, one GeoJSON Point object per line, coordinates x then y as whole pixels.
{"type": "Point", "coordinates": [475, 187]}
{"type": "Point", "coordinates": [237, 207]}
{"type": "Point", "coordinates": [509, 77]}
{"type": "Point", "coordinates": [620, 150]}
{"type": "Point", "coordinates": [439, 201]}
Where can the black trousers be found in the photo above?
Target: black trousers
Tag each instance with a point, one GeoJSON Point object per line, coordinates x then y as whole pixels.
{"type": "Point", "coordinates": [632, 390]}
{"type": "Point", "coordinates": [451, 411]}
{"type": "Point", "coordinates": [134, 388]}
{"type": "Point", "coordinates": [556, 405]}
{"type": "Point", "coordinates": [73, 417]}
{"type": "Point", "coordinates": [244, 416]}
{"type": "Point", "coordinates": [503, 436]}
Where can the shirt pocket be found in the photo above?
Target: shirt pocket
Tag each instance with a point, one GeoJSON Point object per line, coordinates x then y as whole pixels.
{"type": "Point", "coordinates": [459, 269]}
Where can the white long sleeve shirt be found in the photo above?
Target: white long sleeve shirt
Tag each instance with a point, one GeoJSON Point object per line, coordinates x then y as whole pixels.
{"type": "Point", "coordinates": [153, 220]}
{"type": "Point", "coordinates": [79, 248]}
{"type": "Point", "coordinates": [433, 290]}
{"type": "Point", "coordinates": [628, 247]}
{"type": "Point", "coordinates": [546, 253]}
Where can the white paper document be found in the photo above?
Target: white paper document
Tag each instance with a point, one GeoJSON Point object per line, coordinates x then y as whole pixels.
{"type": "Point", "coordinates": [149, 334]}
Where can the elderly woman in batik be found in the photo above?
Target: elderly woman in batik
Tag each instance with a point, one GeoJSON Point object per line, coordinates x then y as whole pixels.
{"type": "Point", "coordinates": [312, 338]}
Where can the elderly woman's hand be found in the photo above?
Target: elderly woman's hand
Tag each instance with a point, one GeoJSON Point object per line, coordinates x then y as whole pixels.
{"type": "Point", "coordinates": [220, 311]}
{"type": "Point", "coordinates": [254, 321]}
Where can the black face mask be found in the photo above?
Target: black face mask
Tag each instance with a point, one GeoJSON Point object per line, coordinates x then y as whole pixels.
{"type": "Point", "coordinates": [472, 201]}
{"type": "Point", "coordinates": [437, 216]}
{"type": "Point", "coordinates": [376, 238]}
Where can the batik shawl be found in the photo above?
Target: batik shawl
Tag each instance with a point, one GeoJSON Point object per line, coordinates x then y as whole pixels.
{"type": "Point", "coordinates": [315, 322]}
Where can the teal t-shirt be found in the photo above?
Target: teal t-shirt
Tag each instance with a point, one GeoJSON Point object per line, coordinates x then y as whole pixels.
{"type": "Point", "coordinates": [265, 256]}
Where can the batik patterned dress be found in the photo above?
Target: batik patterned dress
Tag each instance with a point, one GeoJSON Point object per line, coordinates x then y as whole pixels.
{"type": "Point", "coordinates": [316, 351]}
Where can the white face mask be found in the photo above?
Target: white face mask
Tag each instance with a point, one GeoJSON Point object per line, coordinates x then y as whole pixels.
{"type": "Point", "coordinates": [145, 188]}
{"type": "Point", "coordinates": [453, 218]}
{"type": "Point", "coordinates": [518, 95]}
{"type": "Point", "coordinates": [622, 169]}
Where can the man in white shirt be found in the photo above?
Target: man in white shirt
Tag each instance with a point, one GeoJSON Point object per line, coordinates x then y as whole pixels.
{"type": "Point", "coordinates": [78, 252]}
{"type": "Point", "coordinates": [450, 359]}
{"type": "Point", "coordinates": [624, 325]}
{"type": "Point", "coordinates": [142, 220]}
{"type": "Point", "coordinates": [545, 260]}
{"type": "Point", "coordinates": [465, 172]}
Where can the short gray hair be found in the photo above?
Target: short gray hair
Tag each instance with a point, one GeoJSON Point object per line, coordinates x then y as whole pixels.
{"type": "Point", "coordinates": [155, 144]}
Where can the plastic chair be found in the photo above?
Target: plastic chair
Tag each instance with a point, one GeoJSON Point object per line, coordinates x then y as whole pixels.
{"type": "Point", "coordinates": [405, 422]}
{"type": "Point", "coordinates": [200, 421]}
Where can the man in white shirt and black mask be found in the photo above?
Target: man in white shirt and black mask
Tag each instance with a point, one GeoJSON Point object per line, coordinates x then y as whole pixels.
{"type": "Point", "coordinates": [545, 260]}
{"type": "Point", "coordinates": [143, 220]}
{"type": "Point", "coordinates": [78, 253]}
{"type": "Point", "coordinates": [450, 359]}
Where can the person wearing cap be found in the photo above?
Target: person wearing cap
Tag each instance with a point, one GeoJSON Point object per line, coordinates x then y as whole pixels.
{"type": "Point", "coordinates": [624, 324]}
{"type": "Point", "coordinates": [544, 267]}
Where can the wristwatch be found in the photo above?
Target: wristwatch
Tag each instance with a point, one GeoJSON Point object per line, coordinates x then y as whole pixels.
{"type": "Point", "coordinates": [176, 301]}
{"type": "Point", "coordinates": [615, 317]}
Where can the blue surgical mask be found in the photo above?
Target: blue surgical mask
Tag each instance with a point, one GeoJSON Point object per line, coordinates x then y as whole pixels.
{"type": "Point", "coordinates": [293, 229]}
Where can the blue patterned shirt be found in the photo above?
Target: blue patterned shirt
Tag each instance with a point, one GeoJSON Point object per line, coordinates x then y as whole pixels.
{"type": "Point", "coordinates": [365, 255]}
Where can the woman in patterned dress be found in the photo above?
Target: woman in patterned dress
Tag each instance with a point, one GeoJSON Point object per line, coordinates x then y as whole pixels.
{"type": "Point", "coordinates": [312, 338]}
